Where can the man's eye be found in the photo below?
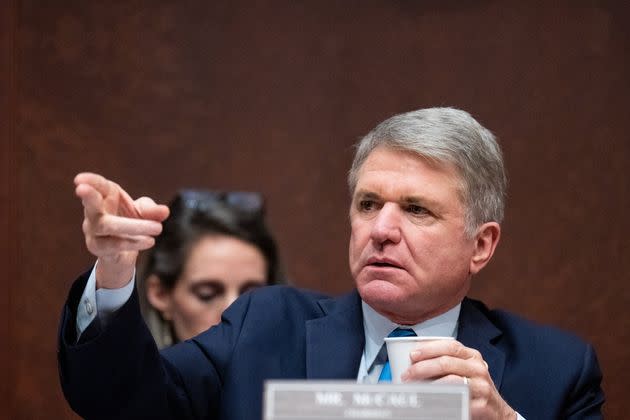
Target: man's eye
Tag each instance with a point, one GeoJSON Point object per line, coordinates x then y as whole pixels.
{"type": "Point", "coordinates": [366, 205]}
{"type": "Point", "coordinates": [416, 209]}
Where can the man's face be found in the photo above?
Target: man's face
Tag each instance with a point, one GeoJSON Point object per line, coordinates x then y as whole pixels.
{"type": "Point", "coordinates": [409, 253]}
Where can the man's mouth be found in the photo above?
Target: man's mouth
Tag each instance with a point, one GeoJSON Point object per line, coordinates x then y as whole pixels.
{"type": "Point", "coordinates": [385, 263]}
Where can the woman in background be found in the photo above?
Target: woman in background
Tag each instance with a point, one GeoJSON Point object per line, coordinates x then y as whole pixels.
{"type": "Point", "coordinates": [214, 246]}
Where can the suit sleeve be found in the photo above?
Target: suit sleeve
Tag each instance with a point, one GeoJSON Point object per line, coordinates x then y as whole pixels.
{"type": "Point", "coordinates": [117, 372]}
{"type": "Point", "coordinates": [587, 397]}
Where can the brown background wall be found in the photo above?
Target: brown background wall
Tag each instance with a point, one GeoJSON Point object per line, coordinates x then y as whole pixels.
{"type": "Point", "coordinates": [270, 96]}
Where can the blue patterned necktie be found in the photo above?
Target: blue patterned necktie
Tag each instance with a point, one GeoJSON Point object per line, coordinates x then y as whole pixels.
{"type": "Point", "coordinates": [386, 373]}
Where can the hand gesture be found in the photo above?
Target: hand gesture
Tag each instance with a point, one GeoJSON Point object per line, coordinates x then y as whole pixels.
{"type": "Point", "coordinates": [116, 227]}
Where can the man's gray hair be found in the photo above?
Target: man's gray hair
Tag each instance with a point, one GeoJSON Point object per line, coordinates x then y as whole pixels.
{"type": "Point", "coordinates": [447, 135]}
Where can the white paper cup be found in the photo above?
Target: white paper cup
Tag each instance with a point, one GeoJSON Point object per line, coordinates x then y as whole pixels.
{"type": "Point", "coordinates": [399, 350]}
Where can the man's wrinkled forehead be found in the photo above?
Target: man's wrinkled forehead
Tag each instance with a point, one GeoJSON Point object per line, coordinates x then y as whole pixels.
{"type": "Point", "coordinates": [448, 168]}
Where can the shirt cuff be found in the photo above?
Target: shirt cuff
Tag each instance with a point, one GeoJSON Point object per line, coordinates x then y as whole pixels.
{"type": "Point", "coordinates": [519, 417]}
{"type": "Point", "coordinates": [102, 302]}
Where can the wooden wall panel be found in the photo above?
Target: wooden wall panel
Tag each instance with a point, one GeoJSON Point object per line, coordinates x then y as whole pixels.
{"type": "Point", "coordinates": [270, 96]}
{"type": "Point", "coordinates": [8, 204]}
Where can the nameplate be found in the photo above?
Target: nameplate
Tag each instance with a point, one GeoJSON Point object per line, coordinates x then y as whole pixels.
{"type": "Point", "coordinates": [325, 400]}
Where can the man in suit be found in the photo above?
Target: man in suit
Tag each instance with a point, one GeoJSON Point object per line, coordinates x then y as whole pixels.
{"type": "Point", "coordinates": [428, 192]}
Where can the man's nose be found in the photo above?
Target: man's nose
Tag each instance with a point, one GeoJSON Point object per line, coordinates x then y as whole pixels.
{"type": "Point", "coordinates": [386, 227]}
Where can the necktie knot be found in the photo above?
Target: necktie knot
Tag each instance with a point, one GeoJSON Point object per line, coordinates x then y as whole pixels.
{"type": "Point", "coordinates": [402, 332]}
{"type": "Point", "coordinates": [386, 373]}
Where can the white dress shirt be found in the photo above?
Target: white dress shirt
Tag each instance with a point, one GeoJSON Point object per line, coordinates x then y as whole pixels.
{"type": "Point", "coordinates": [102, 302]}
{"type": "Point", "coordinates": [376, 327]}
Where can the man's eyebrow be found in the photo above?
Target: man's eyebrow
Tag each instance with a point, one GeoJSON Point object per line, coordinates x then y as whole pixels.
{"type": "Point", "coordinates": [365, 194]}
{"type": "Point", "coordinates": [414, 199]}
{"type": "Point", "coordinates": [407, 199]}
{"type": "Point", "coordinates": [418, 199]}
{"type": "Point", "coordinates": [434, 206]}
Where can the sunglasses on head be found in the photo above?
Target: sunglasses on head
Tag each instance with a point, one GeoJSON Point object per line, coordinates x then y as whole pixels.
{"type": "Point", "coordinates": [244, 201]}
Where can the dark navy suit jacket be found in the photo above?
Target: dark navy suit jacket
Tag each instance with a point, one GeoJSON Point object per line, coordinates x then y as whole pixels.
{"type": "Point", "coordinates": [280, 332]}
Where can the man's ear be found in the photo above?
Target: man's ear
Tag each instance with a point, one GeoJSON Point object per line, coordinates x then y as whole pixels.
{"type": "Point", "coordinates": [159, 297]}
{"type": "Point", "coordinates": [486, 241]}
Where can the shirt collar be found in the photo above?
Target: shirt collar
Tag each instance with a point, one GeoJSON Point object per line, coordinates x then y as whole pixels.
{"type": "Point", "coordinates": [376, 327]}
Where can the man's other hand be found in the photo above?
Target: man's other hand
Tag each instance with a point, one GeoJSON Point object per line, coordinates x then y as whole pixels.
{"type": "Point", "coordinates": [450, 361]}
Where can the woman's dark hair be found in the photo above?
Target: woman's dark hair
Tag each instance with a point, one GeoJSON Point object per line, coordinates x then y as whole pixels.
{"type": "Point", "coordinates": [198, 213]}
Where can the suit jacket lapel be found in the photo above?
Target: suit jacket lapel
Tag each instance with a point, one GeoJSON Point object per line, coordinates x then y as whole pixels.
{"type": "Point", "coordinates": [334, 342]}
{"type": "Point", "coordinates": [476, 331]}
